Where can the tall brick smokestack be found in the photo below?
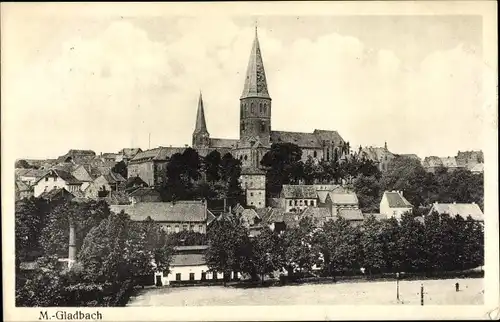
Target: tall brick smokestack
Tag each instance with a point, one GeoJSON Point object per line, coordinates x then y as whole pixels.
{"type": "Point", "coordinates": [72, 244]}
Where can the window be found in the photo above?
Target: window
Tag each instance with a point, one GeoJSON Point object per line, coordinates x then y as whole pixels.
{"type": "Point", "coordinates": [191, 276]}
{"type": "Point", "coordinates": [185, 227]}
{"type": "Point", "coordinates": [291, 202]}
{"type": "Point", "coordinates": [305, 202]}
{"type": "Point", "coordinates": [176, 228]}
{"type": "Point", "coordinates": [46, 179]}
{"type": "Point", "coordinates": [315, 154]}
{"type": "Point", "coordinates": [252, 107]}
{"type": "Point", "coordinates": [312, 202]}
{"type": "Point", "coordinates": [261, 109]}
{"type": "Point", "coordinates": [203, 276]}
{"type": "Point", "coordinates": [262, 127]}
{"type": "Point", "coordinates": [246, 158]}
{"type": "Point", "coordinates": [251, 194]}
{"type": "Point", "coordinates": [178, 276]}
{"type": "Point", "coordinates": [296, 202]}
{"type": "Point", "coordinates": [251, 203]}
{"type": "Point", "coordinates": [191, 227]}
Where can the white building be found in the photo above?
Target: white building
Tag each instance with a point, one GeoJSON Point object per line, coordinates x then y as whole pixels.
{"type": "Point", "coordinates": [188, 265]}
{"type": "Point", "coordinates": [461, 209]}
{"type": "Point", "coordinates": [393, 204]}
{"type": "Point", "coordinates": [298, 197]}
{"type": "Point", "coordinates": [54, 179]}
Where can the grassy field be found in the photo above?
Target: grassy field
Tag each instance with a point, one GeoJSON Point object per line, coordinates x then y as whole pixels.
{"type": "Point", "coordinates": [436, 292]}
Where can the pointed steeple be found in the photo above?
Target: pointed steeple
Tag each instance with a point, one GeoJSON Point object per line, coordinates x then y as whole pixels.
{"type": "Point", "coordinates": [255, 80]}
{"type": "Point", "coordinates": [201, 125]}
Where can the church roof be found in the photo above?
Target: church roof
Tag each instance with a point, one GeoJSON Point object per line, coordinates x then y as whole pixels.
{"type": "Point", "coordinates": [201, 125]}
{"type": "Point", "coordinates": [303, 140]}
{"type": "Point", "coordinates": [255, 80]}
{"type": "Point", "coordinates": [223, 143]}
{"type": "Point", "coordinates": [332, 136]}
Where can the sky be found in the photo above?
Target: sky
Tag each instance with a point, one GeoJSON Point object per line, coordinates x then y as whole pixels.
{"type": "Point", "coordinates": [109, 82]}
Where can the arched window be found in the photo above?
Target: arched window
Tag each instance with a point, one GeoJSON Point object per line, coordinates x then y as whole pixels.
{"type": "Point", "coordinates": [315, 154]}
{"type": "Point", "coordinates": [252, 107]}
{"type": "Point", "coordinates": [261, 107]}
{"type": "Point", "coordinates": [246, 158]}
{"type": "Point", "coordinates": [265, 108]}
{"type": "Point", "coordinates": [262, 126]}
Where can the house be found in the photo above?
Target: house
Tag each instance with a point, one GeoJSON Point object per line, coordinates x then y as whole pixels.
{"type": "Point", "coordinates": [253, 183]}
{"type": "Point", "coordinates": [108, 157]}
{"type": "Point", "coordinates": [478, 168]}
{"type": "Point", "coordinates": [127, 154]}
{"type": "Point", "coordinates": [322, 190]}
{"type": "Point", "coordinates": [116, 198]}
{"type": "Point", "coordinates": [353, 216]}
{"type": "Point", "coordinates": [150, 165]}
{"type": "Point", "coordinates": [337, 201]}
{"type": "Point", "coordinates": [86, 174]}
{"type": "Point", "coordinates": [77, 156]}
{"type": "Point", "coordinates": [55, 178]}
{"type": "Point", "coordinates": [60, 194]}
{"type": "Point", "coordinates": [432, 163]}
{"type": "Point", "coordinates": [249, 218]}
{"type": "Point", "coordinates": [105, 183]}
{"type": "Point", "coordinates": [29, 176]}
{"type": "Point", "coordinates": [298, 197]}
{"type": "Point", "coordinates": [133, 183]}
{"type": "Point", "coordinates": [394, 204]}
{"type": "Point", "coordinates": [380, 155]}
{"type": "Point", "coordinates": [461, 209]}
{"type": "Point", "coordinates": [450, 163]}
{"type": "Point", "coordinates": [144, 195]}
{"type": "Point", "coordinates": [188, 265]}
{"type": "Point", "coordinates": [22, 190]}
{"type": "Point", "coordinates": [468, 159]}
{"type": "Point", "coordinates": [318, 215]}
{"type": "Point", "coordinates": [172, 216]}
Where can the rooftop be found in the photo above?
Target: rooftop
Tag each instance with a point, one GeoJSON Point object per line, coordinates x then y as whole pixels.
{"type": "Point", "coordinates": [179, 211]}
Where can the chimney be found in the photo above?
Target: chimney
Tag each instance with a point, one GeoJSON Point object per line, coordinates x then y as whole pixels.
{"type": "Point", "coordinates": [72, 244]}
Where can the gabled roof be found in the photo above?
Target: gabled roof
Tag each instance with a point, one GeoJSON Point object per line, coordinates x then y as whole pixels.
{"type": "Point", "coordinates": [144, 191]}
{"type": "Point", "coordinates": [31, 173]}
{"type": "Point", "coordinates": [188, 260]}
{"type": "Point", "coordinates": [303, 140]}
{"type": "Point", "coordinates": [249, 214]}
{"type": "Point", "coordinates": [332, 136]}
{"type": "Point", "coordinates": [129, 152]}
{"type": "Point", "coordinates": [319, 215]}
{"type": "Point", "coordinates": [351, 214]}
{"type": "Point", "coordinates": [432, 161]}
{"type": "Point", "coordinates": [179, 211]}
{"type": "Point", "coordinates": [21, 186]}
{"type": "Point", "coordinates": [298, 192]}
{"type": "Point", "coordinates": [342, 198]}
{"type": "Point", "coordinates": [461, 209]}
{"type": "Point", "coordinates": [376, 153]}
{"type": "Point", "coordinates": [449, 162]}
{"type": "Point", "coordinates": [55, 192]}
{"type": "Point", "coordinates": [157, 154]}
{"type": "Point", "coordinates": [117, 198]}
{"type": "Point", "coordinates": [64, 175]}
{"type": "Point", "coordinates": [223, 143]}
{"type": "Point", "coordinates": [478, 168]}
{"type": "Point", "coordinates": [114, 178]}
{"type": "Point", "coordinates": [252, 171]}
{"type": "Point", "coordinates": [396, 200]}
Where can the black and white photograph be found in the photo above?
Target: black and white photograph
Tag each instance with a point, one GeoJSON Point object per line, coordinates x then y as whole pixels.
{"type": "Point", "coordinates": [164, 156]}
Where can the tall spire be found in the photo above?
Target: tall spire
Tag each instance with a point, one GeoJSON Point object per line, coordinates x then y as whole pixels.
{"type": "Point", "coordinates": [255, 80]}
{"type": "Point", "coordinates": [201, 125]}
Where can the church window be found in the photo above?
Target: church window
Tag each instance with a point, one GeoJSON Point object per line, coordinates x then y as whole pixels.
{"type": "Point", "coordinates": [261, 108]}
{"type": "Point", "coordinates": [246, 158]}
{"type": "Point", "coordinates": [252, 107]}
{"type": "Point", "coordinates": [327, 155]}
{"type": "Point", "coordinates": [262, 127]}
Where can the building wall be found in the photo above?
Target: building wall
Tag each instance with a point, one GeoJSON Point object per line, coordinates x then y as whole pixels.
{"type": "Point", "coordinates": [255, 119]}
{"type": "Point", "coordinates": [173, 227]}
{"type": "Point", "coordinates": [50, 183]}
{"type": "Point", "coordinates": [299, 204]}
{"type": "Point", "coordinates": [145, 171]}
{"type": "Point", "coordinates": [256, 197]}
{"type": "Point", "coordinates": [185, 273]}
{"type": "Point", "coordinates": [392, 212]}
{"type": "Point", "coordinates": [28, 180]}
{"type": "Point", "coordinates": [254, 186]}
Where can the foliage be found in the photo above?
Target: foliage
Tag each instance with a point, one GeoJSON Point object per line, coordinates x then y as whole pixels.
{"type": "Point", "coordinates": [372, 245]}
{"type": "Point", "coordinates": [120, 168]}
{"type": "Point", "coordinates": [55, 235]}
{"type": "Point", "coordinates": [284, 166]}
{"type": "Point", "coordinates": [228, 247]}
{"type": "Point", "coordinates": [186, 238]}
{"type": "Point", "coordinates": [367, 189]}
{"type": "Point", "coordinates": [300, 253]}
{"type": "Point", "coordinates": [267, 252]}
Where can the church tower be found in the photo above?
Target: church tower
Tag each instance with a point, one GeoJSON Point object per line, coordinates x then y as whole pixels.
{"type": "Point", "coordinates": [201, 137]}
{"type": "Point", "coordinates": [255, 102]}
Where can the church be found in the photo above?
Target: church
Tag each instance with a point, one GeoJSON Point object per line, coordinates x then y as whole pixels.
{"type": "Point", "coordinates": [256, 137]}
{"type": "Point", "coordinates": [256, 134]}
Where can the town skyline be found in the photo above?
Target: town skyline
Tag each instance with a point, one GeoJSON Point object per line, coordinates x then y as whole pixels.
{"type": "Point", "coordinates": [153, 89]}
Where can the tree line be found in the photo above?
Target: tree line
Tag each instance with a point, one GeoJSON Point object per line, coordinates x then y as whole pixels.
{"type": "Point", "coordinates": [189, 176]}
{"type": "Point", "coordinates": [439, 244]}
{"type": "Point", "coordinates": [114, 253]}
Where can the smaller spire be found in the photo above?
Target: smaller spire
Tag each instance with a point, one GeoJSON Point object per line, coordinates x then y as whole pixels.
{"type": "Point", "coordinates": [201, 125]}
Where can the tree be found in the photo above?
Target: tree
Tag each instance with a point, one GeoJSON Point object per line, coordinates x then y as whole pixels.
{"type": "Point", "coordinates": [367, 189]}
{"type": "Point", "coordinates": [300, 253]}
{"type": "Point", "coordinates": [55, 235]}
{"type": "Point", "coordinates": [212, 164]}
{"type": "Point", "coordinates": [372, 245]}
{"type": "Point", "coordinates": [119, 250]}
{"type": "Point", "coordinates": [283, 166]}
{"type": "Point", "coordinates": [340, 246]}
{"type": "Point", "coordinates": [186, 238]}
{"type": "Point", "coordinates": [228, 247]}
{"type": "Point", "coordinates": [29, 221]}
{"type": "Point", "coordinates": [266, 253]}
{"type": "Point", "coordinates": [120, 168]}
{"type": "Point", "coordinates": [413, 244]}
